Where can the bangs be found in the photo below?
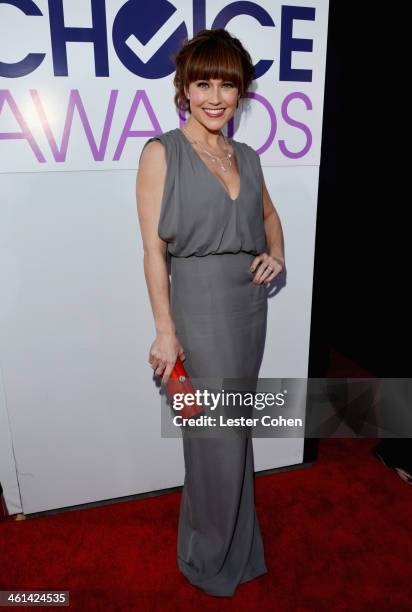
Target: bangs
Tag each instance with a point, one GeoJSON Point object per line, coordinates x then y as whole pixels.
{"type": "Point", "coordinates": [212, 60]}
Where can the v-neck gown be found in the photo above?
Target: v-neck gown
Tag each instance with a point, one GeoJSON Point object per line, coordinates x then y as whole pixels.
{"type": "Point", "coordinates": [220, 319]}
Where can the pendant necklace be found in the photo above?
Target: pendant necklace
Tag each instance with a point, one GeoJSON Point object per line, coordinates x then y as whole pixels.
{"type": "Point", "coordinates": [227, 157]}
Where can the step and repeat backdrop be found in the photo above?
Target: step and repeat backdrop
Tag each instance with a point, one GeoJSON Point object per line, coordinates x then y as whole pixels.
{"type": "Point", "coordinates": [83, 84]}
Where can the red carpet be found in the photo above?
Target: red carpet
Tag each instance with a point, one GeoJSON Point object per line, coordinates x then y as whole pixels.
{"type": "Point", "coordinates": [338, 536]}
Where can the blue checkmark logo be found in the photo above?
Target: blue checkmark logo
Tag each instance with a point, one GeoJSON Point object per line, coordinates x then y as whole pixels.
{"type": "Point", "coordinates": [147, 34]}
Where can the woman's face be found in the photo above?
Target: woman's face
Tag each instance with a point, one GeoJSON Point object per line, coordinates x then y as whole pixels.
{"type": "Point", "coordinates": [207, 97]}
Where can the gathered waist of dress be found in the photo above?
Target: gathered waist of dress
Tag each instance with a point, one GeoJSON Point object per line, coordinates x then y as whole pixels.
{"type": "Point", "coordinates": [221, 253]}
{"type": "Point", "coordinates": [228, 265]}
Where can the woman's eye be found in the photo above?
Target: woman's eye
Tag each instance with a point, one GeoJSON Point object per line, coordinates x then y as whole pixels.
{"type": "Point", "coordinates": [205, 83]}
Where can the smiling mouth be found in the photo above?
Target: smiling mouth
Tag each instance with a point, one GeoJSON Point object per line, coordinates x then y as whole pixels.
{"type": "Point", "coordinates": [214, 111]}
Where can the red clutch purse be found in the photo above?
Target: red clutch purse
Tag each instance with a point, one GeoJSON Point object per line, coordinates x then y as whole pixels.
{"type": "Point", "coordinates": [179, 382]}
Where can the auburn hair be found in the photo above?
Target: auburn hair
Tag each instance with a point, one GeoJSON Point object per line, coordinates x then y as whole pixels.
{"type": "Point", "coordinates": [211, 54]}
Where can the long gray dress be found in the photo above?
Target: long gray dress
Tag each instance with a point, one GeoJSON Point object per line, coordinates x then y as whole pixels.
{"type": "Point", "coordinates": [220, 318]}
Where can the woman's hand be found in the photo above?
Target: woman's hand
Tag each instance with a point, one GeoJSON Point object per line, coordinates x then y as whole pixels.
{"type": "Point", "coordinates": [163, 354]}
{"type": "Point", "coordinates": [270, 266]}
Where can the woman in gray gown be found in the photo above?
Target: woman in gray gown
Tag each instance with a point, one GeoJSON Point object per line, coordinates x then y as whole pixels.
{"type": "Point", "coordinates": [202, 200]}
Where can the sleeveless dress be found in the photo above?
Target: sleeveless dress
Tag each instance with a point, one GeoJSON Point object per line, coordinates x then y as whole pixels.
{"type": "Point", "coordinates": [220, 318]}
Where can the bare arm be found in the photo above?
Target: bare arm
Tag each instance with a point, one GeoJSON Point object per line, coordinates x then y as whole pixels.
{"type": "Point", "coordinates": [149, 192]}
{"type": "Point", "coordinates": [272, 262]}
{"type": "Point", "coordinates": [273, 227]}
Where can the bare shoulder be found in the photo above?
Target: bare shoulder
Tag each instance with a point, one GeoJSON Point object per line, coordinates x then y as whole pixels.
{"type": "Point", "coordinates": [150, 178]}
{"type": "Point", "coordinates": [152, 165]}
{"type": "Point", "coordinates": [153, 152]}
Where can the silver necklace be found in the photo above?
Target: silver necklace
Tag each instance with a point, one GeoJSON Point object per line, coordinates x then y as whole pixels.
{"type": "Point", "coordinates": [227, 157]}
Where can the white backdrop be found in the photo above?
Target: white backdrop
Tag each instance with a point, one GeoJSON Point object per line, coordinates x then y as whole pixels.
{"type": "Point", "coordinates": [79, 403]}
